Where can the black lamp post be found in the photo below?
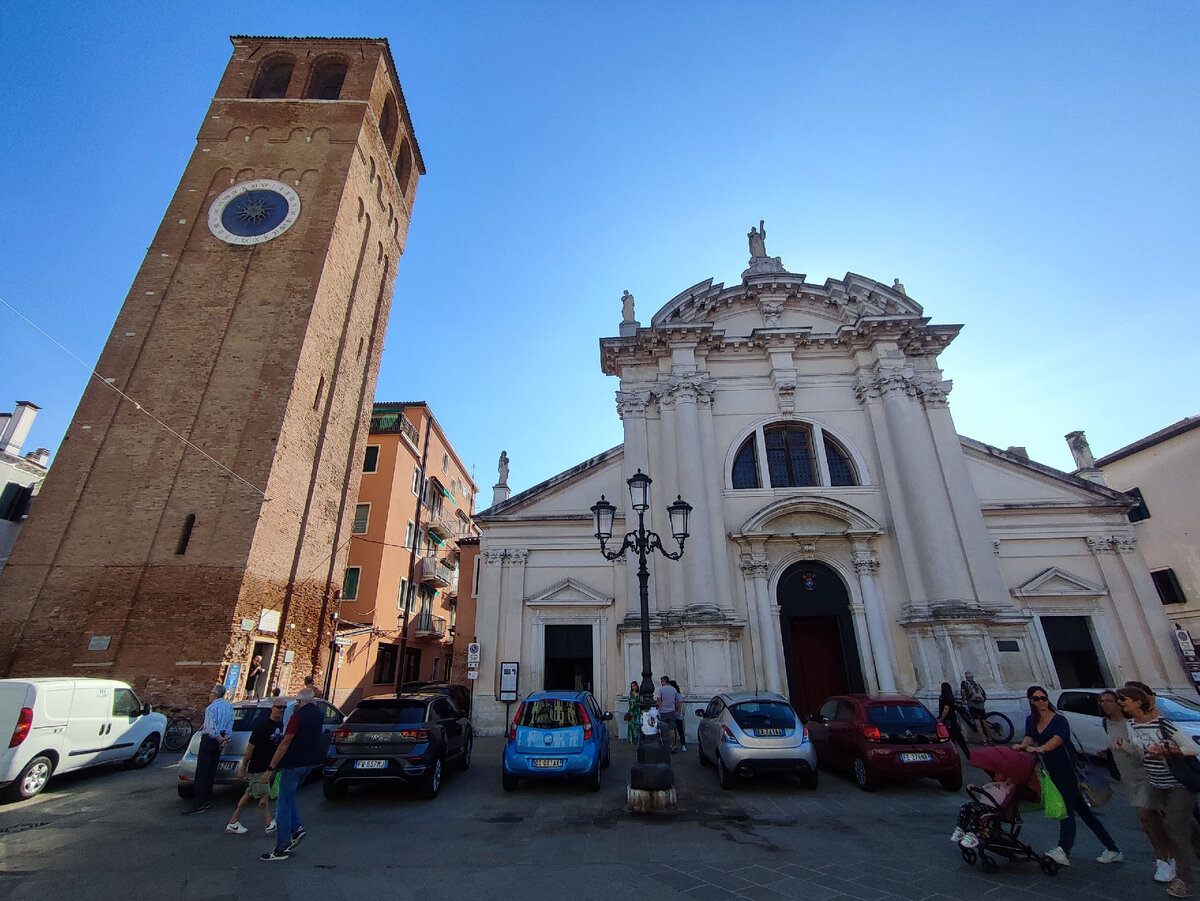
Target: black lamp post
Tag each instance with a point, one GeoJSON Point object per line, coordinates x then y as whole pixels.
{"type": "Point", "coordinates": [650, 750]}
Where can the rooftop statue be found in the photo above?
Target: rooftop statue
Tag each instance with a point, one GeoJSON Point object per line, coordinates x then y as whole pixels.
{"type": "Point", "coordinates": [758, 239]}
{"type": "Point", "coordinates": [627, 307]}
{"type": "Point", "coordinates": [503, 467]}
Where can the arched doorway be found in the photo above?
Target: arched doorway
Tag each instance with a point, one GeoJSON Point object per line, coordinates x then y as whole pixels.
{"type": "Point", "coordinates": [819, 646]}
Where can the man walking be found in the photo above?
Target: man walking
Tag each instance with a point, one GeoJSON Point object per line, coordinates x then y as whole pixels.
{"type": "Point", "coordinates": [214, 735]}
{"type": "Point", "coordinates": [975, 697]}
{"type": "Point", "coordinates": [298, 752]}
{"type": "Point", "coordinates": [668, 699]}
{"type": "Point", "coordinates": [259, 751]}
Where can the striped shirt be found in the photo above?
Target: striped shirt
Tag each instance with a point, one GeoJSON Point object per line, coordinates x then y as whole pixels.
{"type": "Point", "coordinates": [1153, 733]}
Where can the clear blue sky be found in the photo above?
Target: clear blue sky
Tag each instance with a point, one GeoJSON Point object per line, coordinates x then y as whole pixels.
{"type": "Point", "coordinates": [1028, 170]}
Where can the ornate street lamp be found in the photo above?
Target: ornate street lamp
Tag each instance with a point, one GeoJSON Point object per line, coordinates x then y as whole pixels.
{"type": "Point", "coordinates": [651, 751]}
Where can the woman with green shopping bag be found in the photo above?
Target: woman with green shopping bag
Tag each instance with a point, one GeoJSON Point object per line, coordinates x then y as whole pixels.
{"type": "Point", "coordinates": [1048, 734]}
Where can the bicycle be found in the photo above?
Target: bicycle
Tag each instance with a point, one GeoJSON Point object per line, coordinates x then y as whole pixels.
{"type": "Point", "coordinates": [999, 727]}
{"type": "Point", "coordinates": [178, 732]}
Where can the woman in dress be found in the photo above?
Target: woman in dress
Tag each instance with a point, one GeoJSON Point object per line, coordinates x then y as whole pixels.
{"type": "Point", "coordinates": [1047, 733]}
{"type": "Point", "coordinates": [949, 718]}
{"type": "Point", "coordinates": [1157, 737]}
{"type": "Point", "coordinates": [633, 723]}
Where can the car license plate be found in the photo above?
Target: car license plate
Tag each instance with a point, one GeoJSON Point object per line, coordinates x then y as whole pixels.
{"type": "Point", "coordinates": [370, 764]}
{"type": "Point", "coordinates": [547, 763]}
{"type": "Point", "coordinates": [916, 757]}
{"type": "Point", "coordinates": [226, 766]}
{"type": "Point", "coordinates": [768, 733]}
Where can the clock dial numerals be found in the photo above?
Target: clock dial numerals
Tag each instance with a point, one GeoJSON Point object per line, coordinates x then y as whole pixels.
{"type": "Point", "coordinates": [253, 212]}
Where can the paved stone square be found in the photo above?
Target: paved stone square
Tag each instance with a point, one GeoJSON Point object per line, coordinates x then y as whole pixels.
{"type": "Point", "coordinates": [114, 834]}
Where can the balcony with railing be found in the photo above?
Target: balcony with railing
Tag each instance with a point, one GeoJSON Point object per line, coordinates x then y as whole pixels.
{"type": "Point", "coordinates": [436, 573]}
{"type": "Point", "coordinates": [395, 423]}
{"type": "Point", "coordinates": [429, 626]}
{"type": "Point", "coordinates": [441, 523]}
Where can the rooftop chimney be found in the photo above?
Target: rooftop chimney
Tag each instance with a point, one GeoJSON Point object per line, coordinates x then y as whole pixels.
{"type": "Point", "coordinates": [14, 428]}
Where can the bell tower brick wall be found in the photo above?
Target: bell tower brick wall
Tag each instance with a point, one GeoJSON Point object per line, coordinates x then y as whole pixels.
{"type": "Point", "coordinates": [263, 357]}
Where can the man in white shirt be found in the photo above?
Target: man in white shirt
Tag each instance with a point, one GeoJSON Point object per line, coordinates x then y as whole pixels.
{"type": "Point", "coordinates": [214, 735]}
{"type": "Point", "coordinates": [667, 699]}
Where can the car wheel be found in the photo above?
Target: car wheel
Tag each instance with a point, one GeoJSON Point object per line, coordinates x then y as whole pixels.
{"type": "Point", "coordinates": [145, 753]}
{"type": "Point", "coordinates": [705, 760]}
{"type": "Point", "coordinates": [32, 779]}
{"type": "Point", "coordinates": [725, 777]}
{"type": "Point", "coordinates": [465, 761]}
{"type": "Point", "coordinates": [333, 790]}
{"type": "Point", "coordinates": [509, 781]}
{"type": "Point", "coordinates": [951, 783]}
{"type": "Point", "coordinates": [433, 782]}
{"type": "Point", "coordinates": [593, 783]}
{"type": "Point", "coordinates": [809, 779]}
{"type": "Point", "coordinates": [187, 792]}
{"type": "Point", "coordinates": [863, 776]}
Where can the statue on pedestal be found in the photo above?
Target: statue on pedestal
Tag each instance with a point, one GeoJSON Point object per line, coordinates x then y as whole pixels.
{"type": "Point", "coordinates": [503, 468]}
{"type": "Point", "coordinates": [758, 240]}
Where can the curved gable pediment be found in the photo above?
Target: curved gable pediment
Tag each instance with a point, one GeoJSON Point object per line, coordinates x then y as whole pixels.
{"type": "Point", "coordinates": [809, 516]}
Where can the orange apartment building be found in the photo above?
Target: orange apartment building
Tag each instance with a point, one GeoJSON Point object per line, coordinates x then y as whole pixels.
{"type": "Point", "coordinates": [397, 614]}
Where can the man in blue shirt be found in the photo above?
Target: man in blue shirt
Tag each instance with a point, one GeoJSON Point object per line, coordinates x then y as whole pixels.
{"type": "Point", "coordinates": [214, 735]}
{"type": "Point", "coordinates": [298, 752]}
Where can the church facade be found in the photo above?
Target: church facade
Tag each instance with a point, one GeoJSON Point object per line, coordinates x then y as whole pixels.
{"type": "Point", "coordinates": [844, 537]}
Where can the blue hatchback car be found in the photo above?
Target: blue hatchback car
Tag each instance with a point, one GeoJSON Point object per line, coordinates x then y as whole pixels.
{"type": "Point", "coordinates": [556, 734]}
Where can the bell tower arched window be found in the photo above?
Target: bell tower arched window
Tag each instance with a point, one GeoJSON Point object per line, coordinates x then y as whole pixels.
{"type": "Point", "coordinates": [272, 80]}
{"type": "Point", "coordinates": [327, 81]}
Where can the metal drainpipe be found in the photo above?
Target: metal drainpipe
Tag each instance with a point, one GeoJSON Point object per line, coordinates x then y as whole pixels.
{"type": "Point", "coordinates": [412, 558]}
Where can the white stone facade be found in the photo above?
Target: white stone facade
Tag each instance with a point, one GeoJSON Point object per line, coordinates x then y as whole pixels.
{"type": "Point", "coordinates": [880, 551]}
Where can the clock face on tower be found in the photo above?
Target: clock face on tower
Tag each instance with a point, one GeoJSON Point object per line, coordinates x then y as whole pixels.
{"type": "Point", "coordinates": [253, 212]}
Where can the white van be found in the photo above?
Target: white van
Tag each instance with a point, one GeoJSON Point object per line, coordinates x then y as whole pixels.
{"type": "Point", "coordinates": [60, 725]}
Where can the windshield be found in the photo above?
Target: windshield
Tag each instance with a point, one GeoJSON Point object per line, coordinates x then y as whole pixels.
{"type": "Point", "coordinates": [550, 713]}
{"type": "Point", "coordinates": [892, 717]}
{"type": "Point", "coordinates": [246, 718]}
{"type": "Point", "coordinates": [387, 713]}
{"type": "Point", "coordinates": [1179, 709]}
{"type": "Point", "coordinates": [763, 715]}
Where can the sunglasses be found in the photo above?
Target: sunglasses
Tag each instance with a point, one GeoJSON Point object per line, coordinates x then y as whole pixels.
{"type": "Point", "coordinates": [280, 706]}
{"type": "Point", "coordinates": [1039, 698]}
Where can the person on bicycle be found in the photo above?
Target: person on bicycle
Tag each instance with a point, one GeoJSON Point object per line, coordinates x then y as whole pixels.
{"type": "Point", "coordinates": [975, 697]}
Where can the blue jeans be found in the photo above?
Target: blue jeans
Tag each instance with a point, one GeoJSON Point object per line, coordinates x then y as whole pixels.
{"type": "Point", "coordinates": [287, 814]}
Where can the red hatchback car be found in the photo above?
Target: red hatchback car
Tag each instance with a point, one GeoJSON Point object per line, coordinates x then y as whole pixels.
{"type": "Point", "coordinates": [879, 737]}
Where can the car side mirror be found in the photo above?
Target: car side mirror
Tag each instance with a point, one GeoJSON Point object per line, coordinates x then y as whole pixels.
{"type": "Point", "coordinates": [700, 712]}
{"type": "Point", "coordinates": [145, 710]}
{"type": "Point", "coordinates": [608, 715]}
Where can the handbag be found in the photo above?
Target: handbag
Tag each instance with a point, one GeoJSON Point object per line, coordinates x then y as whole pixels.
{"type": "Point", "coordinates": [274, 792]}
{"type": "Point", "coordinates": [628, 716]}
{"type": "Point", "coordinates": [1184, 768]}
{"type": "Point", "coordinates": [1094, 783]}
{"type": "Point", "coordinates": [1053, 805]}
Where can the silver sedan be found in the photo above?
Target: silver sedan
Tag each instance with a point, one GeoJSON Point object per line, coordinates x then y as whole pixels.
{"type": "Point", "coordinates": [746, 733]}
{"type": "Point", "coordinates": [246, 715]}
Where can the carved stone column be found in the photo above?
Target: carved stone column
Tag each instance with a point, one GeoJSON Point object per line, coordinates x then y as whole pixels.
{"type": "Point", "coordinates": [672, 577]}
{"type": "Point", "coordinates": [758, 598]}
{"type": "Point", "coordinates": [1129, 603]}
{"type": "Point", "coordinates": [631, 406]}
{"type": "Point", "coordinates": [699, 572]}
{"type": "Point", "coordinates": [866, 567]}
{"type": "Point", "coordinates": [513, 621]}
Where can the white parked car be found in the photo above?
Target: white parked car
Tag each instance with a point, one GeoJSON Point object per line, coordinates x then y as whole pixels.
{"type": "Point", "coordinates": [60, 725]}
{"type": "Point", "coordinates": [1081, 708]}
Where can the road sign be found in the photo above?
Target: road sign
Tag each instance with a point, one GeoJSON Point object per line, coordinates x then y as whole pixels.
{"type": "Point", "coordinates": [473, 655]}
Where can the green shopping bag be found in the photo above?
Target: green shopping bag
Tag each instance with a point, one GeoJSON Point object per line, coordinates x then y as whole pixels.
{"type": "Point", "coordinates": [274, 792]}
{"type": "Point", "coordinates": [1053, 805]}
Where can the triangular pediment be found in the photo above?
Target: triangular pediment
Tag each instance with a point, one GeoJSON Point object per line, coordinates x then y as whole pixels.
{"type": "Point", "coordinates": [1057, 583]}
{"type": "Point", "coordinates": [569, 593]}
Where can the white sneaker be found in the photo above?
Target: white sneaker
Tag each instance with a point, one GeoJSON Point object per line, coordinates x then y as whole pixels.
{"type": "Point", "coordinates": [970, 840]}
{"type": "Point", "coordinates": [1164, 870]}
{"type": "Point", "coordinates": [956, 835]}
{"type": "Point", "coordinates": [1111, 857]}
{"type": "Point", "coordinates": [236, 829]}
{"type": "Point", "coordinates": [271, 828]}
{"type": "Point", "coordinates": [1059, 856]}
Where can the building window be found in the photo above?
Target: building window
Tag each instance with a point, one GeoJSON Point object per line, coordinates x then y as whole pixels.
{"type": "Point", "coordinates": [14, 501]}
{"type": "Point", "coordinates": [327, 81]}
{"type": "Point", "coordinates": [475, 579]}
{"type": "Point", "coordinates": [416, 485]}
{"type": "Point", "coordinates": [371, 458]}
{"type": "Point", "coordinates": [1140, 511]}
{"type": "Point", "coordinates": [388, 122]}
{"type": "Point", "coordinates": [404, 164]}
{"type": "Point", "coordinates": [272, 80]}
{"type": "Point", "coordinates": [409, 534]}
{"type": "Point", "coordinates": [437, 661]}
{"type": "Point", "coordinates": [792, 454]}
{"type": "Point", "coordinates": [402, 597]}
{"type": "Point", "coordinates": [1167, 583]}
{"type": "Point", "coordinates": [362, 515]}
{"type": "Point", "coordinates": [350, 583]}
{"type": "Point", "coordinates": [385, 664]}
{"type": "Point", "coordinates": [789, 456]}
{"type": "Point", "coordinates": [186, 535]}
{"type": "Point", "coordinates": [445, 462]}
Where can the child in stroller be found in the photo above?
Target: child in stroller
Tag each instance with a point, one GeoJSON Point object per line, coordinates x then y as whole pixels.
{"type": "Point", "coordinates": [990, 822]}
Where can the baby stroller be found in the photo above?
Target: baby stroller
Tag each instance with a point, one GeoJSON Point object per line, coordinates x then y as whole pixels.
{"type": "Point", "coordinates": [998, 825]}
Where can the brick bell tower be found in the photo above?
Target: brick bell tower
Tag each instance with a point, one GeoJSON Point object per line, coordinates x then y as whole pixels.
{"type": "Point", "coordinates": [205, 515]}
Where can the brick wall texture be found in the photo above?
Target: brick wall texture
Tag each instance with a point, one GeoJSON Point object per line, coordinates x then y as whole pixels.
{"type": "Point", "coordinates": [266, 358]}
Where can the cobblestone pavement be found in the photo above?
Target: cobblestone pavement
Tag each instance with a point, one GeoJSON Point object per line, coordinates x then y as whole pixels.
{"type": "Point", "coordinates": [114, 834]}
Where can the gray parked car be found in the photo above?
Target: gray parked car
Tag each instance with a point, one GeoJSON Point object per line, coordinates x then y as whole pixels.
{"type": "Point", "coordinates": [746, 733]}
{"type": "Point", "coordinates": [246, 715]}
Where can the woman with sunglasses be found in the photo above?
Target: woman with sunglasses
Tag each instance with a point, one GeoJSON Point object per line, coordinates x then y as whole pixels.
{"type": "Point", "coordinates": [1048, 734]}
